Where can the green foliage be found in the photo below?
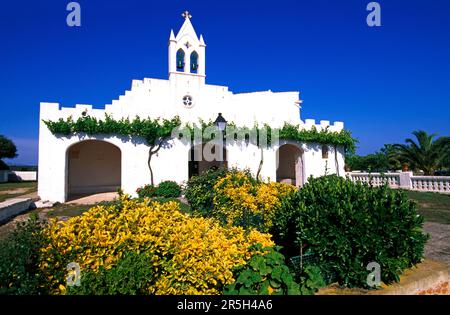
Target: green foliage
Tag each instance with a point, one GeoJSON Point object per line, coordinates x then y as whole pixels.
{"type": "Point", "coordinates": [263, 274]}
{"type": "Point", "coordinates": [343, 138]}
{"type": "Point", "coordinates": [311, 280]}
{"type": "Point", "coordinates": [148, 191]}
{"type": "Point", "coordinates": [24, 168]}
{"type": "Point", "coordinates": [199, 191]}
{"type": "Point", "coordinates": [376, 162]}
{"type": "Point", "coordinates": [151, 130]}
{"type": "Point", "coordinates": [154, 130]}
{"type": "Point", "coordinates": [426, 154]}
{"type": "Point", "coordinates": [348, 225]}
{"type": "Point", "coordinates": [132, 275]}
{"type": "Point", "coordinates": [168, 189]}
{"type": "Point", "coordinates": [19, 259]}
{"type": "Point", "coordinates": [382, 161]}
{"type": "Point", "coordinates": [7, 148]}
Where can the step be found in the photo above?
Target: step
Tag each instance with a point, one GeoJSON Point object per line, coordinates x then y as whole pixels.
{"type": "Point", "coordinates": [13, 207]}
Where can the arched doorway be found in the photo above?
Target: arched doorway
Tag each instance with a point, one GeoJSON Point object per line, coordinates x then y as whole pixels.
{"type": "Point", "coordinates": [93, 167]}
{"type": "Point", "coordinates": [290, 165]}
{"type": "Point", "coordinates": [204, 156]}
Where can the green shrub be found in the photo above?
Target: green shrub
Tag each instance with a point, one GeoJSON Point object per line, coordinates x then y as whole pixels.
{"type": "Point", "coordinates": [148, 191]}
{"type": "Point", "coordinates": [132, 275]}
{"type": "Point", "coordinates": [310, 280]}
{"type": "Point", "coordinates": [348, 225]}
{"type": "Point", "coordinates": [199, 191]}
{"type": "Point", "coordinates": [19, 259]}
{"type": "Point", "coordinates": [263, 274]}
{"type": "Point", "coordinates": [168, 189]}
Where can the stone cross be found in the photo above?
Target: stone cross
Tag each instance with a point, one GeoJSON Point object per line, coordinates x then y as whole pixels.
{"type": "Point", "coordinates": [186, 15]}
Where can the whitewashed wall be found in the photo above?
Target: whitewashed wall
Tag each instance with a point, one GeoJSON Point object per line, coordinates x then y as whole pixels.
{"type": "Point", "coordinates": [164, 99]}
{"type": "Point", "coordinates": [25, 175]}
{"type": "Point", "coordinates": [18, 176]}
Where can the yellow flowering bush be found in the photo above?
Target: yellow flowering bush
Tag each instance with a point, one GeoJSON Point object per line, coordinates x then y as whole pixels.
{"type": "Point", "coordinates": [240, 200]}
{"type": "Point", "coordinates": [188, 255]}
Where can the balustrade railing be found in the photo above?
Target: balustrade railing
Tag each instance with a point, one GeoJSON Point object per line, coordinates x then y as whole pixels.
{"type": "Point", "coordinates": [405, 180]}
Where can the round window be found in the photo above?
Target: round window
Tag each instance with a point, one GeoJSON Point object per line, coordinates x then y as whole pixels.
{"type": "Point", "coordinates": [188, 101]}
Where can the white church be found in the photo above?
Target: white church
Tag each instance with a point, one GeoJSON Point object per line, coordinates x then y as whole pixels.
{"type": "Point", "coordinates": [81, 164]}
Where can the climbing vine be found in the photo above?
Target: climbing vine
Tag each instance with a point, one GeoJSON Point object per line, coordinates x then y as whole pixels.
{"type": "Point", "coordinates": [152, 130]}
{"type": "Point", "coordinates": [157, 131]}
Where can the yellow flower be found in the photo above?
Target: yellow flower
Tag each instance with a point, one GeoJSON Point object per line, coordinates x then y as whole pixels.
{"type": "Point", "coordinates": [191, 255]}
{"type": "Point", "coordinates": [238, 197]}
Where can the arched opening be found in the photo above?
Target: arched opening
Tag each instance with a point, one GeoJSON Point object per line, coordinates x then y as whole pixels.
{"type": "Point", "coordinates": [93, 167]}
{"type": "Point", "coordinates": [180, 60]}
{"type": "Point", "coordinates": [194, 62]}
{"type": "Point", "coordinates": [290, 165]}
{"type": "Point", "coordinates": [203, 157]}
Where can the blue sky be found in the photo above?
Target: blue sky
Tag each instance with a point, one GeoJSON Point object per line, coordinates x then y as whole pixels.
{"type": "Point", "coordinates": [382, 82]}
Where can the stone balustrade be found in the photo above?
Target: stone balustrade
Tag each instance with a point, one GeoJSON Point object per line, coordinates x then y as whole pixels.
{"type": "Point", "coordinates": [404, 180]}
{"type": "Point", "coordinates": [431, 183]}
{"type": "Point", "coordinates": [376, 179]}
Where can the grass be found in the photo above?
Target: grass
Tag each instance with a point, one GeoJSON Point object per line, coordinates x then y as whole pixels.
{"type": "Point", "coordinates": [434, 207]}
{"type": "Point", "coordinates": [68, 210]}
{"type": "Point", "coordinates": [9, 186]}
{"type": "Point", "coordinates": [12, 190]}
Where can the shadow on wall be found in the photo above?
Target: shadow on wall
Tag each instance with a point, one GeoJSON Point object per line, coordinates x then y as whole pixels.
{"type": "Point", "coordinates": [93, 166]}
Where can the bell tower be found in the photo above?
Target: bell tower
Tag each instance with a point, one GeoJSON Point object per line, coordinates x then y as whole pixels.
{"type": "Point", "coordinates": [186, 51]}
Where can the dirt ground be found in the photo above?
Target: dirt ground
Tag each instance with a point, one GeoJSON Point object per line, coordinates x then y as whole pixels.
{"type": "Point", "coordinates": [438, 246]}
{"type": "Point", "coordinates": [93, 199]}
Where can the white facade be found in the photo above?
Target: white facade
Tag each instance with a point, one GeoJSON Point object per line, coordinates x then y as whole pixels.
{"type": "Point", "coordinates": [184, 94]}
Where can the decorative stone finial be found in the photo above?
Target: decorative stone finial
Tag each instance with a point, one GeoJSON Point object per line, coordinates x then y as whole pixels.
{"type": "Point", "coordinates": [186, 15]}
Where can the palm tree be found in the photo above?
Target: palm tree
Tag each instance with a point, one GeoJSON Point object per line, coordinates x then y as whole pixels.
{"type": "Point", "coordinates": [426, 154]}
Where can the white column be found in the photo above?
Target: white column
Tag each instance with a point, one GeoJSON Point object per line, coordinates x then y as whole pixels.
{"type": "Point", "coordinates": [405, 180]}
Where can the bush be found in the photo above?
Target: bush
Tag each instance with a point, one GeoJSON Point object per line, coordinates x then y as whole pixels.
{"type": "Point", "coordinates": [348, 225]}
{"type": "Point", "coordinates": [240, 200]}
{"type": "Point", "coordinates": [132, 275]}
{"type": "Point", "coordinates": [265, 273]}
{"type": "Point", "coordinates": [148, 191]}
{"type": "Point", "coordinates": [199, 191]}
{"type": "Point", "coordinates": [235, 198]}
{"type": "Point", "coordinates": [24, 168]}
{"type": "Point", "coordinates": [311, 280]}
{"type": "Point", "coordinates": [168, 189]}
{"type": "Point", "coordinates": [188, 255]}
{"type": "Point", "coordinates": [7, 148]}
{"type": "Point", "coordinates": [19, 259]}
